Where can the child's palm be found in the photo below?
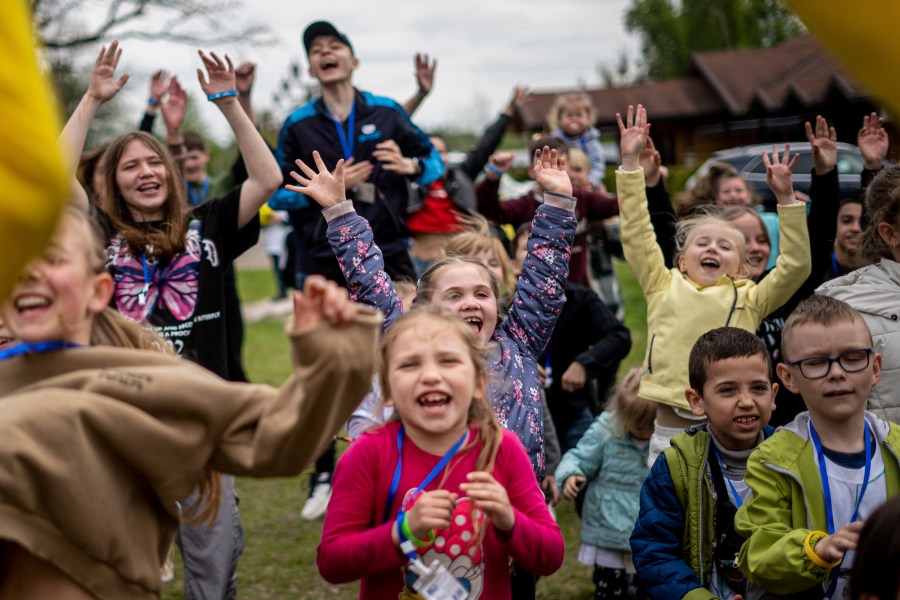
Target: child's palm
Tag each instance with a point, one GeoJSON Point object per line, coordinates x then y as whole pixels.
{"type": "Point", "coordinates": [550, 172]}
{"type": "Point", "coordinates": [220, 75]}
{"type": "Point", "coordinates": [327, 189]}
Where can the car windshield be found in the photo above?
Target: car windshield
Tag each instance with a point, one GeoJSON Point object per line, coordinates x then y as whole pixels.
{"type": "Point", "coordinates": [847, 163]}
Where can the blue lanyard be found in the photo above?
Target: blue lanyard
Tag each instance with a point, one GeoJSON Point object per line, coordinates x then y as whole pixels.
{"type": "Point", "coordinates": [148, 278]}
{"type": "Point", "coordinates": [395, 482]}
{"type": "Point", "coordinates": [36, 347]}
{"type": "Point", "coordinates": [737, 497]}
{"type": "Point", "coordinates": [194, 197]}
{"type": "Point", "coordinates": [826, 487]}
{"type": "Point", "coordinates": [834, 265]}
{"type": "Point", "coordinates": [346, 138]}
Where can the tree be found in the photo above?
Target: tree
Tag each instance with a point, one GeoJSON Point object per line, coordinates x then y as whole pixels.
{"type": "Point", "coordinates": [60, 24]}
{"type": "Point", "coordinates": [671, 31]}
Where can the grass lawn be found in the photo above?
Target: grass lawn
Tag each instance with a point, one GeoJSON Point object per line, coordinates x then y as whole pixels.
{"type": "Point", "coordinates": [279, 560]}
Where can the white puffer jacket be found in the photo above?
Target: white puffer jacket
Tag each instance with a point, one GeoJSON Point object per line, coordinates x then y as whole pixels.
{"type": "Point", "coordinates": [875, 292]}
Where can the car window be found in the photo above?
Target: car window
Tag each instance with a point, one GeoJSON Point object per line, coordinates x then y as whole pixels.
{"type": "Point", "coordinates": [804, 163]}
{"type": "Point", "coordinates": [849, 163]}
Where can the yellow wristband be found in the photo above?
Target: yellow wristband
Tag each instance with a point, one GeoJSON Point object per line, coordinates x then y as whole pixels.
{"type": "Point", "coordinates": [811, 553]}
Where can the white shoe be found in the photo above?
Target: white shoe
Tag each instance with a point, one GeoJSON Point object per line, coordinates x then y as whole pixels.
{"type": "Point", "coordinates": [318, 500]}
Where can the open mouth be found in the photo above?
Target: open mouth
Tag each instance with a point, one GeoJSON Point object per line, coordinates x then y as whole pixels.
{"type": "Point", "coordinates": [475, 323]}
{"type": "Point", "coordinates": [433, 400]}
{"type": "Point", "coordinates": [6, 340]}
{"type": "Point", "coordinates": [710, 264]}
{"type": "Point", "coordinates": [148, 188]}
{"type": "Point", "coordinates": [30, 302]}
{"type": "Point", "coordinates": [747, 421]}
{"type": "Point", "coordinates": [328, 65]}
{"type": "Point", "coordinates": [755, 260]}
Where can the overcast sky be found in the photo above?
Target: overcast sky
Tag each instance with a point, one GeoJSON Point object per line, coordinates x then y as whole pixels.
{"type": "Point", "coordinates": [483, 47]}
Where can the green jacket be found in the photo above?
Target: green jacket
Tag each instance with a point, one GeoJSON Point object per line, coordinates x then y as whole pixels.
{"type": "Point", "coordinates": [788, 503]}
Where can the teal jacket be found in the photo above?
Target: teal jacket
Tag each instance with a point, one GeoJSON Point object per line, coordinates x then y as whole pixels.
{"type": "Point", "coordinates": [615, 469]}
{"type": "Point", "coordinates": [788, 503]}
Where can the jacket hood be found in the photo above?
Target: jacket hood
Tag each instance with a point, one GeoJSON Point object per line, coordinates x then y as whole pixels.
{"type": "Point", "coordinates": [866, 289]}
{"type": "Point", "coordinates": [800, 426]}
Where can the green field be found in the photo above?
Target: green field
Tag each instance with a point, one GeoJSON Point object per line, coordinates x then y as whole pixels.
{"type": "Point", "coordinates": [279, 559]}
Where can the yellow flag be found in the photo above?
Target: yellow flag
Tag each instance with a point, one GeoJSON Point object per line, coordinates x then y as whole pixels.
{"type": "Point", "coordinates": [863, 35]}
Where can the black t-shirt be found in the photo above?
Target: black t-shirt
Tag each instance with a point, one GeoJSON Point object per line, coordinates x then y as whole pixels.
{"type": "Point", "coordinates": [183, 298]}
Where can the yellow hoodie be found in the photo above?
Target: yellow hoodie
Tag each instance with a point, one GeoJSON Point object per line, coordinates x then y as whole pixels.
{"type": "Point", "coordinates": [679, 311]}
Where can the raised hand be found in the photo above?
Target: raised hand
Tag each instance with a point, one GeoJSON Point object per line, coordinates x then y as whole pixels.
{"type": "Point", "coordinates": [491, 497]}
{"type": "Point", "coordinates": [175, 106]}
{"type": "Point", "coordinates": [778, 174]}
{"type": "Point", "coordinates": [244, 76]}
{"type": "Point", "coordinates": [824, 145]}
{"type": "Point", "coordinates": [327, 189]}
{"type": "Point", "coordinates": [159, 82]}
{"type": "Point", "coordinates": [651, 161]}
{"type": "Point", "coordinates": [431, 510]}
{"type": "Point", "coordinates": [425, 73]}
{"type": "Point", "coordinates": [103, 85]}
{"type": "Point", "coordinates": [221, 77]}
{"type": "Point", "coordinates": [356, 172]}
{"type": "Point", "coordinates": [572, 486]}
{"type": "Point", "coordinates": [634, 133]}
{"type": "Point", "coordinates": [391, 158]}
{"type": "Point", "coordinates": [873, 141]}
{"type": "Point", "coordinates": [322, 301]}
{"type": "Point", "coordinates": [500, 160]}
{"type": "Point", "coordinates": [550, 171]}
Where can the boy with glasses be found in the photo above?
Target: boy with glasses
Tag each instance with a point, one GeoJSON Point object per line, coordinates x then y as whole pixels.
{"type": "Point", "coordinates": [816, 480]}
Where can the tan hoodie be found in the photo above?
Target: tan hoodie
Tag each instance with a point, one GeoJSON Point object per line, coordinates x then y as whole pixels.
{"type": "Point", "coordinates": [99, 443]}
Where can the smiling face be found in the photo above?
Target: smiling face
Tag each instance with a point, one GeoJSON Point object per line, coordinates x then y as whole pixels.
{"type": "Point", "coordinates": [733, 192]}
{"type": "Point", "coordinates": [712, 251]}
{"type": "Point", "coordinates": [330, 60]}
{"type": "Point", "coordinates": [432, 381]}
{"type": "Point", "coordinates": [757, 243]}
{"type": "Point", "coordinates": [839, 395]}
{"type": "Point", "coordinates": [737, 398]}
{"type": "Point", "coordinates": [466, 290]}
{"type": "Point", "coordinates": [142, 181]}
{"type": "Point", "coordinates": [848, 227]}
{"type": "Point", "coordinates": [58, 294]}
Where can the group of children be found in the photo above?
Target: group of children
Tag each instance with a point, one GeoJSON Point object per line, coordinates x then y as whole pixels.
{"type": "Point", "coordinates": [688, 486]}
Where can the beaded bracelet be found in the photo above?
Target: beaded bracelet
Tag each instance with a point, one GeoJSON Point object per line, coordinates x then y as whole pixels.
{"type": "Point", "coordinates": [408, 534]}
{"type": "Point", "coordinates": [225, 94]}
{"type": "Point", "coordinates": [811, 553]}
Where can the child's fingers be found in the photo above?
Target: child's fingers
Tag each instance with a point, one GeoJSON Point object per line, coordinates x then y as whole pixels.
{"type": "Point", "coordinates": [300, 178]}
{"type": "Point", "coordinates": [307, 170]}
{"type": "Point", "coordinates": [621, 124]}
{"type": "Point", "coordinates": [320, 164]}
{"type": "Point", "coordinates": [629, 120]}
{"type": "Point", "coordinates": [297, 188]}
{"type": "Point", "coordinates": [229, 63]}
{"type": "Point", "coordinates": [809, 132]}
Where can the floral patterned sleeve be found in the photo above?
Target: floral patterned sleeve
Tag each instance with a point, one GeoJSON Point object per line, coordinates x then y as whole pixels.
{"type": "Point", "coordinates": [361, 261]}
{"type": "Point", "coordinates": [540, 291]}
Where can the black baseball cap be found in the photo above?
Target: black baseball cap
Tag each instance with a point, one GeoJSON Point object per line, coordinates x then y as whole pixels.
{"type": "Point", "coordinates": [320, 28]}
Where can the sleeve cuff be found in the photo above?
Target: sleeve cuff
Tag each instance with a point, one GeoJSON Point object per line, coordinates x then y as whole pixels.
{"type": "Point", "coordinates": [338, 210]}
{"type": "Point", "coordinates": [560, 201]}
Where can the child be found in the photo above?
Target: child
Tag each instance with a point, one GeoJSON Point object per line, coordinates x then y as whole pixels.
{"type": "Point", "coordinates": [684, 541]}
{"type": "Point", "coordinates": [468, 288]}
{"type": "Point", "coordinates": [572, 119]}
{"type": "Point", "coordinates": [818, 478]}
{"type": "Point", "coordinates": [612, 458]}
{"type": "Point", "coordinates": [101, 443]}
{"type": "Point", "coordinates": [471, 510]}
{"type": "Point", "coordinates": [709, 287]}
{"type": "Point", "coordinates": [875, 575]}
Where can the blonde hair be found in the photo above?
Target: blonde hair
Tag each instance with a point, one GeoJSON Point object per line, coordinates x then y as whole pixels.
{"type": "Point", "coordinates": [573, 100]}
{"type": "Point", "coordinates": [470, 243]}
{"type": "Point", "coordinates": [577, 158]}
{"type": "Point", "coordinates": [481, 415]}
{"type": "Point", "coordinates": [685, 229]}
{"type": "Point", "coordinates": [632, 412]}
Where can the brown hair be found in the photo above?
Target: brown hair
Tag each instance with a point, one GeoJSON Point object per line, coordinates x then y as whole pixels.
{"type": "Point", "coordinates": [821, 310]}
{"type": "Point", "coordinates": [573, 100]}
{"type": "Point", "coordinates": [481, 415]}
{"type": "Point", "coordinates": [882, 205]}
{"type": "Point", "coordinates": [632, 412]}
{"type": "Point", "coordinates": [553, 142]}
{"type": "Point", "coordinates": [87, 167]}
{"type": "Point", "coordinates": [194, 141]}
{"type": "Point", "coordinates": [169, 239]}
{"type": "Point", "coordinates": [109, 328]}
{"type": "Point", "coordinates": [428, 280]}
{"type": "Point", "coordinates": [719, 344]}
{"type": "Point", "coordinates": [470, 243]}
{"type": "Point", "coordinates": [705, 191]}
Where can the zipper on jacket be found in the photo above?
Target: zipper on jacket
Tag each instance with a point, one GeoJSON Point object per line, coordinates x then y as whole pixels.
{"type": "Point", "coordinates": [733, 302]}
{"type": "Point", "coordinates": [650, 354]}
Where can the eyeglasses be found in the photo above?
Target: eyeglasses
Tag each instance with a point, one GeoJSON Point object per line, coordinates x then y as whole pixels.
{"type": "Point", "coordinates": [817, 367]}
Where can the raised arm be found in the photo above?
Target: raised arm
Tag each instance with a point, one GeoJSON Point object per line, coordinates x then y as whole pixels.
{"type": "Point", "coordinates": [158, 84]}
{"type": "Point", "coordinates": [350, 237]}
{"type": "Point", "coordinates": [639, 245]}
{"type": "Point", "coordinates": [792, 266]}
{"type": "Point", "coordinates": [263, 173]}
{"type": "Point", "coordinates": [540, 291]}
{"type": "Point", "coordinates": [873, 144]}
{"type": "Point", "coordinates": [244, 76]}
{"type": "Point", "coordinates": [103, 87]}
{"type": "Point", "coordinates": [424, 79]}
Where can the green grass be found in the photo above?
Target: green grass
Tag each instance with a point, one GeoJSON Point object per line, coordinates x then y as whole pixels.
{"type": "Point", "coordinates": [279, 560]}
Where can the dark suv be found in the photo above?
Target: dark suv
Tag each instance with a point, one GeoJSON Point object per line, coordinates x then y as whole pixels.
{"type": "Point", "coordinates": [749, 163]}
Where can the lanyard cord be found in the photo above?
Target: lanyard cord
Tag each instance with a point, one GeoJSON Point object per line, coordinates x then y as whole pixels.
{"type": "Point", "coordinates": [346, 139]}
{"type": "Point", "coordinates": [196, 197]}
{"type": "Point", "coordinates": [35, 347]}
{"type": "Point", "coordinates": [737, 497]}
